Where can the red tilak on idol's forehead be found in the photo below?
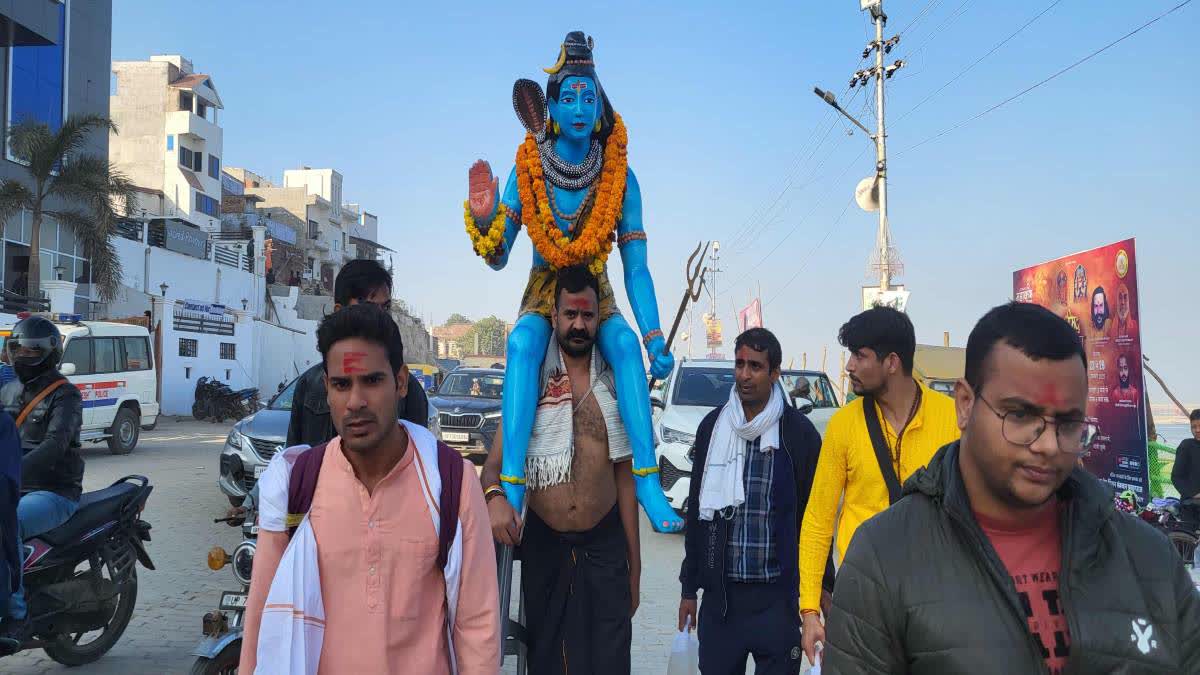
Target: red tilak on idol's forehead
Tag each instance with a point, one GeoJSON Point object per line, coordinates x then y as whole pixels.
{"type": "Point", "coordinates": [579, 86]}
{"type": "Point", "coordinates": [352, 362]}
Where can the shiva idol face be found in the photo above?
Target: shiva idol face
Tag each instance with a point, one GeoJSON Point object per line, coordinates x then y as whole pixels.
{"type": "Point", "coordinates": [577, 108]}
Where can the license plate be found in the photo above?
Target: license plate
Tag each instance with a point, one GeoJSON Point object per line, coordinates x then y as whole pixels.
{"type": "Point", "coordinates": [233, 601]}
{"type": "Point", "coordinates": [258, 470]}
{"type": "Point", "coordinates": [453, 437]}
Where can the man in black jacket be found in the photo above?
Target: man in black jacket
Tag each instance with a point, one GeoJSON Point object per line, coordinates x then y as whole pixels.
{"type": "Point", "coordinates": [740, 545]}
{"type": "Point", "coordinates": [49, 412]}
{"type": "Point", "coordinates": [1185, 474]}
{"type": "Point", "coordinates": [358, 281]}
{"type": "Point", "coordinates": [1005, 556]}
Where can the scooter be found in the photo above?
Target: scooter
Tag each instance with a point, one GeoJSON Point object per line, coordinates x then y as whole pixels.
{"type": "Point", "coordinates": [81, 577]}
{"type": "Point", "coordinates": [220, 647]}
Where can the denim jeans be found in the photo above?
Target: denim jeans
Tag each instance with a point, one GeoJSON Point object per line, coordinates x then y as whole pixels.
{"type": "Point", "coordinates": [37, 513]}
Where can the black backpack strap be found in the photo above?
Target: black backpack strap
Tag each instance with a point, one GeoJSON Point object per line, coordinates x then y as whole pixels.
{"type": "Point", "coordinates": [450, 469]}
{"type": "Point", "coordinates": [883, 454]}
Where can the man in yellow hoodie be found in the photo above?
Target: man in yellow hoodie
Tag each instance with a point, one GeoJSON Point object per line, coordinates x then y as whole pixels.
{"type": "Point", "coordinates": [871, 446]}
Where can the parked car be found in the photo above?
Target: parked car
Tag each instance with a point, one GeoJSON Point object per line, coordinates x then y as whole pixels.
{"type": "Point", "coordinates": [256, 438]}
{"type": "Point", "coordinates": [112, 365]}
{"type": "Point", "coordinates": [694, 389]}
{"type": "Point", "coordinates": [469, 405]}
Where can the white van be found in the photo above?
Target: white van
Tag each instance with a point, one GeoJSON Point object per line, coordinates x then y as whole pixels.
{"type": "Point", "coordinates": [112, 365]}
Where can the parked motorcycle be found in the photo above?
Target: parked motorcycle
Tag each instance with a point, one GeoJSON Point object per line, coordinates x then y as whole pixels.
{"type": "Point", "coordinates": [220, 648]}
{"type": "Point", "coordinates": [218, 402]}
{"type": "Point", "coordinates": [81, 578]}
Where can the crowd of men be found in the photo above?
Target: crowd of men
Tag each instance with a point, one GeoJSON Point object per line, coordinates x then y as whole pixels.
{"type": "Point", "coordinates": [924, 533]}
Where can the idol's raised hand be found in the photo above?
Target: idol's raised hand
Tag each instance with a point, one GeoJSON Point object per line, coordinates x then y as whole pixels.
{"type": "Point", "coordinates": [482, 190]}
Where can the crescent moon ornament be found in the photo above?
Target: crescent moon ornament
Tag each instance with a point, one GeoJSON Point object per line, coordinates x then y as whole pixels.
{"type": "Point", "coordinates": [562, 60]}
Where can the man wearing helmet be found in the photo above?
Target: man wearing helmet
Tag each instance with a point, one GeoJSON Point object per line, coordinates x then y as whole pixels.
{"type": "Point", "coordinates": [48, 411]}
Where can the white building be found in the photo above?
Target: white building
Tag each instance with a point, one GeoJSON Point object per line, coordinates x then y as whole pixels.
{"type": "Point", "coordinates": [169, 140]}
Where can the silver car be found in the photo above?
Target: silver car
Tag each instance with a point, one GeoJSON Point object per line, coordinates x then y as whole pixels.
{"type": "Point", "coordinates": [255, 439]}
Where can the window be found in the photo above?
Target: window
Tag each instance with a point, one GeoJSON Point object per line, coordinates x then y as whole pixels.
{"type": "Point", "coordinates": [185, 100]}
{"type": "Point", "coordinates": [79, 352]}
{"type": "Point", "coordinates": [208, 205]}
{"type": "Point", "coordinates": [137, 353]}
{"type": "Point", "coordinates": [185, 157]}
{"type": "Point", "coordinates": [228, 350]}
{"type": "Point", "coordinates": [171, 142]}
{"type": "Point", "coordinates": [188, 347]}
{"type": "Point", "coordinates": [38, 78]}
{"type": "Point", "coordinates": [214, 167]}
{"type": "Point", "coordinates": [197, 161]}
{"type": "Point", "coordinates": [283, 400]}
{"type": "Point", "coordinates": [314, 230]}
{"type": "Point", "coordinates": [106, 352]}
{"type": "Point", "coordinates": [707, 387]}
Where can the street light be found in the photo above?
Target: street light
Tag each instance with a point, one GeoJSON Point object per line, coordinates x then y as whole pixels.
{"type": "Point", "coordinates": [829, 98]}
{"type": "Point", "coordinates": [163, 288]}
{"type": "Point", "coordinates": [244, 303]}
{"type": "Point", "coordinates": [59, 271]}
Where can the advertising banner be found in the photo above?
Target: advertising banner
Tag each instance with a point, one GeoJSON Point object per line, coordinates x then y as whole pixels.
{"type": "Point", "coordinates": [751, 316]}
{"type": "Point", "coordinates": [1096, 292]}
{"type": "Point", "coordinates": [895, 297]}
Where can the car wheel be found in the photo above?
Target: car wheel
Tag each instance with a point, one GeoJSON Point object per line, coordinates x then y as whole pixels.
{"type": "Point", "coordinates": [125, 432]}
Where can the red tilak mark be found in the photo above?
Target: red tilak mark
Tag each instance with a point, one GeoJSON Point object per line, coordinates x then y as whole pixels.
{"type": "Point", "coordinates": [1050, 398]}
{"type": "Point", "coordinates": [352, 362]}
{"type": "Point", "coordinates": [579, 86]}
{"type": "Point", "coordinates": [581, 304]}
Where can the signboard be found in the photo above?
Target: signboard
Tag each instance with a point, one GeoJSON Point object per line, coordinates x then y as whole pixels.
{"type": "Point", "coordinates": [1096, 292]}
{"type": "Point", "coordinates": [712, 331]}
{"type": "Point", "coordinates": [895, 297]}
{"type": "Point", "coordinates": [212, 309]}
{"type": "Point", "coordinates": [751, 316]}
{"type": "Point", "coordinates": [185, 239]}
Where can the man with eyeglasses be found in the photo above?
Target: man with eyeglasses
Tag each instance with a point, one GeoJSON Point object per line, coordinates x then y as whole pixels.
{"type": "Point", "coordinates": [1005, 556]}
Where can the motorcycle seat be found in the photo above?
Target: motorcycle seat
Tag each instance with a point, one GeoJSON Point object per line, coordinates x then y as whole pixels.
{"type": "Point", "coordinates": [95, 509]}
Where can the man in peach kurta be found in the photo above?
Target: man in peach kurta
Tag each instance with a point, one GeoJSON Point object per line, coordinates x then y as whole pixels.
{"type": "Point", "coordinates": [384, 594]}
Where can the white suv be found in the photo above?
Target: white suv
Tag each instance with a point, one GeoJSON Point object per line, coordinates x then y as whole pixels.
{"type": "Point", "coordinates": [694, 389]}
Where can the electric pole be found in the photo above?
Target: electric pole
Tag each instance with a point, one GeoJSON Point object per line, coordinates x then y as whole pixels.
{"type": "Point", "coordinates": [713, 269]}
{"type": "Point", "coordinates": [889, 262]}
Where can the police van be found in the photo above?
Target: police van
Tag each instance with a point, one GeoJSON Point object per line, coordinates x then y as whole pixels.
{"type": "Point", "coordinates": [112, 365]}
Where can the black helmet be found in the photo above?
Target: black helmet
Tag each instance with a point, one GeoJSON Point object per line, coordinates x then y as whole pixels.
{"type": "Point", "coordinates": [34, 347]}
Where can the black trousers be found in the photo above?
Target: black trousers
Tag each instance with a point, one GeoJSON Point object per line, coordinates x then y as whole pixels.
{"type": "Point", "coordinates": [577, 598]}
{"type": "Point", "coordinates": [761, 622]}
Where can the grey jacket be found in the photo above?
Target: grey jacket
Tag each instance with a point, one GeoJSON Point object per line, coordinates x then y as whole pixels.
{"type": "Point", "coordinates": [923, 591]}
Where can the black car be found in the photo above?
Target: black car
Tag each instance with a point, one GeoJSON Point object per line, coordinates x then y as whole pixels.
{"type": "Point", "coordinates": [468, 402]}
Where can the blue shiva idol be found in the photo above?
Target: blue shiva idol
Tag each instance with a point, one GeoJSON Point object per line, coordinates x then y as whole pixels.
{"type": "Point", "coordinates": [572, 191]}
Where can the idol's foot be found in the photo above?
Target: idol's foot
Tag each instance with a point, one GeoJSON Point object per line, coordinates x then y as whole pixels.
{"type": "Point", "coordinates": [650, 495]}
{"type": "Point", "coordinates": [515, 494]}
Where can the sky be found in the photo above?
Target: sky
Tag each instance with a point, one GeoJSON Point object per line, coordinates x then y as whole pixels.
{"type": "Point", "coordinates": [729, 143]}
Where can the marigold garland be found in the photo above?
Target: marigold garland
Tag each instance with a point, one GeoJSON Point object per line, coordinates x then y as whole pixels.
{"type": "Point", "coordinates": [485, 245]}
{"type": "Point", "coordinates": [594, 240]}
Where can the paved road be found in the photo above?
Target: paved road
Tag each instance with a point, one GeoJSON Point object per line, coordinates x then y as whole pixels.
{"type": "Point", "coordinates": [180, 458]}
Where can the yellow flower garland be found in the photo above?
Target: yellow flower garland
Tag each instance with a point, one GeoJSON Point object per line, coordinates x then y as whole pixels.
{"type": "Point", "coordinates": [595, 239]}
{"type": "Point", "coordinates": [485, 245]}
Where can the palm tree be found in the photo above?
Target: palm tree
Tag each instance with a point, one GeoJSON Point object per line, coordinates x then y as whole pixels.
{"type": "Point", "coordinates": [78, 190]}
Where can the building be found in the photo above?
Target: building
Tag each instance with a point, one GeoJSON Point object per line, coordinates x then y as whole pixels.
{"type": "Point", "coordinates": [55, 57]}
{"type": "Point", "coordinates": [447, 338]}
{"type": "Point", "coordinates": [170, 139]}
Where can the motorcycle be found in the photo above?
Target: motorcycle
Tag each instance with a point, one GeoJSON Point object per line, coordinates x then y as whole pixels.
{"type": "Point", "coordinates": [220, 647]}
{"type": "Point", "coordinates": [217, 401]}
{"type": "Point", "coordinates": [81, 578]}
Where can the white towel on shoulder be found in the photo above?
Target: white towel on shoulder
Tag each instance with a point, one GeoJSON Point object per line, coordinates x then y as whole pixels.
{"type": "Point", "coordinates": [723, 484]}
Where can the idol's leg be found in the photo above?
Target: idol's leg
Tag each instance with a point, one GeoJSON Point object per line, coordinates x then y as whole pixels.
{"type": "Point", "coordinates": [620, 347]}
{"type": "Point", "coordinates": [526, 351]}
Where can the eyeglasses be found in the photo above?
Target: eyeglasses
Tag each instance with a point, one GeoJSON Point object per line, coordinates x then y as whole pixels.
{"type": "Point", "coordinates": [1024, 428]}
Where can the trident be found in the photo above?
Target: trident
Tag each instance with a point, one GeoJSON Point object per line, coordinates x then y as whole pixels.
{"type": "Point", "coordinates": [694, 274]}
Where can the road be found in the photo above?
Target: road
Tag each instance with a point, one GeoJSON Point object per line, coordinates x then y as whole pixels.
{"type": "Point", "coordinates": [180, 458]}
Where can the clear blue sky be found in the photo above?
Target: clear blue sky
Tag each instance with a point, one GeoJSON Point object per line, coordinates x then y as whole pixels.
{"type": "Point", "coordinates": [402, 97]}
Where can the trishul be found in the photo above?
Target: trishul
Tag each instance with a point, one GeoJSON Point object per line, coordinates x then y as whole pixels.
{"type": "Point", "coordinates": [695, 283]}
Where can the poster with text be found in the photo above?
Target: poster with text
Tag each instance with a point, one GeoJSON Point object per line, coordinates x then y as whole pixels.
{"type": "Point", "coordinates": [1096, 292]}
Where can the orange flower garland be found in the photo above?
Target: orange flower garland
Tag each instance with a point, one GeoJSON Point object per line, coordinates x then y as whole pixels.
{"type": "Point", "coordinates": [595, 239]}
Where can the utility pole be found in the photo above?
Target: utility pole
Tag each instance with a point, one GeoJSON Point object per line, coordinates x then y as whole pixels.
{"type": "Point", "coordinates": [889, 262]}
{"type": "Point", "coordinates": [713, 269]}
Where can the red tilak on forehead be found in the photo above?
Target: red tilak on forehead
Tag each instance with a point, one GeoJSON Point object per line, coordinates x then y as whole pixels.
{"type": "Point", "coordinates": [581, 304]}
{"type": "Point", "coordinates": [578, 86]}
{"type": "Point", "coordinates": [1050, 397]}
{"type": "Point", "coordinates": [352, 362]}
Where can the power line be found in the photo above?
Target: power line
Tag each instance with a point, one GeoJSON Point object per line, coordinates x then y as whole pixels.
{"type": "Point", "coordinates": [977, 61]}
{"type": "Point", "coordinates": [1080, 62]}
{"type": "Point", "coordinates": [958, 11]}
{"type": "Point", "coordinates": [928, 6]}
{"type": "Point", "coordinates": [812, 252]}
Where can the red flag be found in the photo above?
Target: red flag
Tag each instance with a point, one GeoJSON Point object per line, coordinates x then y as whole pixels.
{"type": "Point", "coordinates": [751, 316]}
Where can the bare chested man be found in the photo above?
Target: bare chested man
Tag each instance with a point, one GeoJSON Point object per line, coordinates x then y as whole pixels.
{"type": "Point", "coordinates": [581, 559]}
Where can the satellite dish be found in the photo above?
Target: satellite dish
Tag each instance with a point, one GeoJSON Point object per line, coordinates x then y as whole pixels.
{"type": "Point", "coordinates": [867, 193]}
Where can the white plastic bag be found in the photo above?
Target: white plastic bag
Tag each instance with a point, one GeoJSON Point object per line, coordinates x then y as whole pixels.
{"type": "Point", "coordinates": [685, 652]}
{"type": "Point", "coordinates": [816, 669]}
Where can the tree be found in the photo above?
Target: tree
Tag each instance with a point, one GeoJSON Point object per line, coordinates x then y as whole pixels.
{"type": "Point", "coordinates": [78, 190]}
{"type": "Point", "coordinates": [457, 319]}
{"type": "Point", "coordinates": [491, 335]}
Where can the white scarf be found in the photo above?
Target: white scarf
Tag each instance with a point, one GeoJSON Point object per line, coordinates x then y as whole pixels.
{"type": "Point", "coordinates": [723, 484]}
{"type": "Point", "coordinates": [292, 630]}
